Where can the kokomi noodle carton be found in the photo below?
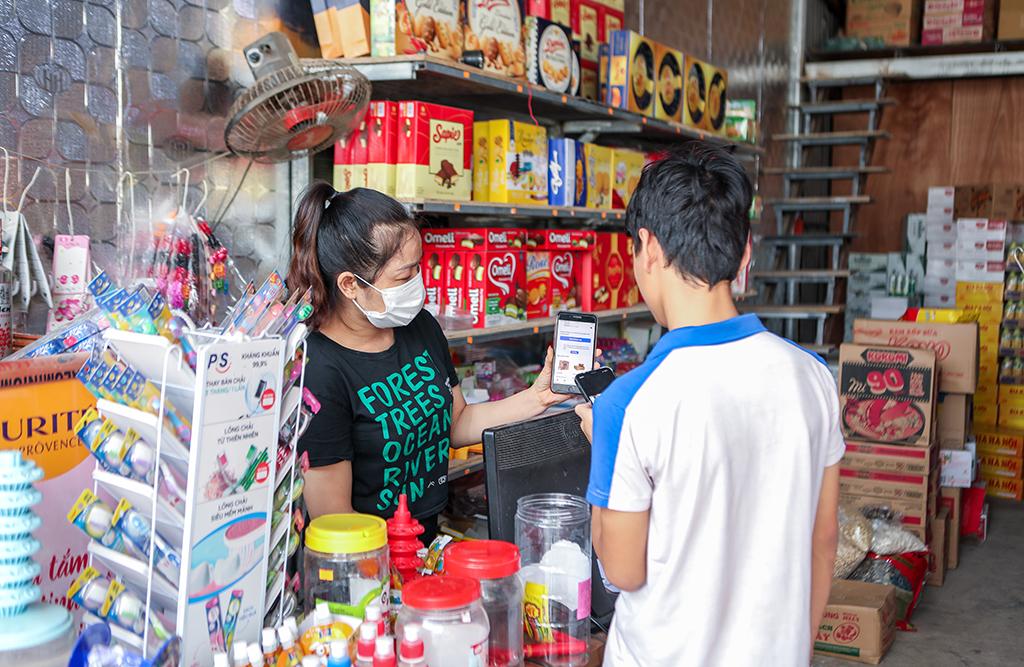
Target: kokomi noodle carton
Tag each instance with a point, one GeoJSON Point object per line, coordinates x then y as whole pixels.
{"type": "Point", "coordinates": [887, 394]}
{"type": "Point", "coordinates": [955, 347]}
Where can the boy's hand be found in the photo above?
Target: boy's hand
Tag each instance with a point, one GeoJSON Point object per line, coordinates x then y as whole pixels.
{"type": "Point", "coordinates": [586, 415]}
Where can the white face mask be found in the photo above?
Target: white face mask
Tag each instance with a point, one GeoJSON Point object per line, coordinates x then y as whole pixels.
{"type": "Point", "coordinates": [402, 303]}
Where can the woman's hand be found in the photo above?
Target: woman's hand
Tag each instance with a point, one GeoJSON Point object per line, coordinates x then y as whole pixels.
{"type": "Point", "coordinates": [541, 388]}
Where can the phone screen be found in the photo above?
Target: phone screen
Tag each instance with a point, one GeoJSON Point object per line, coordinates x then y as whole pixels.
{"type": "Point", "coordinates": [574, 350]}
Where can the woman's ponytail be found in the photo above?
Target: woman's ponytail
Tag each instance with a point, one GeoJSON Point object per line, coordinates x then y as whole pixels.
{"type": "Point", "coordinates": [305, 270]}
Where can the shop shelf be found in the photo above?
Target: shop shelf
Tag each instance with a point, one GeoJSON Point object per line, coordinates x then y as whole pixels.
{"type": "Point", "coordinates": [119, 634]}
{"type": "Point", "coordinates": [959, 61]}
{"type": "Point", "coordinates": [541, 325]}
{"type": "Point", "coordinates": [472, 208]}
{"type": "Point", "coordinates": [147, 426]}
{"type": "Point", "coordinates": [461, 467]}
{"type": "Point", "coordinates": [286, 469]}
{"type": "Point", "coordinates": [432, 79]}
{"type": "Point", "coordinates": [1011, 352]}
{"type": "Point", "coordinates": [169, 523]}
{"type": "Point", "coordinates": [134, 573]}
{"type": "Point", "coordinates": [147, 355]}
{"type": "Point", "coordinates": [280, 531]}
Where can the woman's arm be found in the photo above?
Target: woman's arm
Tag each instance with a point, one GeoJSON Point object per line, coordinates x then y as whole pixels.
{"type": "Point", "coordinates": [469, 421]}
{"type": "Point", "coordinates": [328, 489]}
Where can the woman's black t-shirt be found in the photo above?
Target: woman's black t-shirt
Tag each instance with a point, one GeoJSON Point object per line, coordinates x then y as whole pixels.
{"type": "Point", "coordinates": [389, 413]}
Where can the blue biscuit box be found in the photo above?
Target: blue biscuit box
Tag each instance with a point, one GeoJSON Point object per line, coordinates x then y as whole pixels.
{"type": "Point", "coordinates": [567, 182]}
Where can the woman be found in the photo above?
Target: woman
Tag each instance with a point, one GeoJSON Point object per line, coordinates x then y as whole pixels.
{"type": "Point", "coordinates": [379, 364]}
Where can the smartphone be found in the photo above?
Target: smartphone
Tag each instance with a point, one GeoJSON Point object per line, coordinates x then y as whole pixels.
{"type": "Point", "coordinates": [575, 347]}
{"type": "Point", "coordinates": [593, 383]}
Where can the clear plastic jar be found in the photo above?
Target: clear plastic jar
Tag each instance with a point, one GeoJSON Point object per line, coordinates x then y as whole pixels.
{"type": "Point", "coordinates": [451, 614]}
{"type": "Point", "coordinates": [553, 536]}
{"type": "Point", "coordinates": [496, 566]}
{"type": "Point", "coordinates": [346, 563]}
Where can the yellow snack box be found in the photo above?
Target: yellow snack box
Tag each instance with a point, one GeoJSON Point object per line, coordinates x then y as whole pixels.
{"type": "Point", "coordinates": [627, 165]}
{"type": "Point", "coordinates": [599, 175]}
{"type": "Point", "coordinates": [519, 162]}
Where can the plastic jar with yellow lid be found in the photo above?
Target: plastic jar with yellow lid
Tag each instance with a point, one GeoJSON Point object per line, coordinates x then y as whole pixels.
{"type": "Point", "coordinates": [346, 563]}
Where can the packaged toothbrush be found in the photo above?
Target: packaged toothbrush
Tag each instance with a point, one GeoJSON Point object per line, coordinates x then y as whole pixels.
{"type": "Point", "coordinates": [89, 590]}
{"type": "Point", "coordinates": [141, 394]}
{"type": "Point", "coordinates": [99, 285]}
{"type": "Point", "coordinates": [95, 518]}
{"type": "Point", "coordinates": [246, 318]}
{"type": "Point", "coordinates": [138, 458]}
{"type": "Point", "coordinates": [135, 531]}
{"type": "Point", "coordinates": [134, 311]}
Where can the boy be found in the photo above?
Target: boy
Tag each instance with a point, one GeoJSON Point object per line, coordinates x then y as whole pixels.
{"type": "Point", "coordinates": [714, 474]}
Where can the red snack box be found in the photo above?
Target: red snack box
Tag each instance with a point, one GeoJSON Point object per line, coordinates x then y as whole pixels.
{"type": "Point", "coordinates": [556, 261]}
{"type": "Point", "coordinates": [593, 22]}
{"type": "Point", "coordinates": [382, 146]}
{"type": "Point", "coordinates": [494, 268]}
{"type": "Point", "coordinates": [609, 284]}
{"type": "Point", "coordinates": [443, 284]}
{"type": "Point", "coordinates": [343, 164]}
{"type": "Point", "coordinates": [435, 152]}
{"type": "Point", "coordinates": [359, 155]}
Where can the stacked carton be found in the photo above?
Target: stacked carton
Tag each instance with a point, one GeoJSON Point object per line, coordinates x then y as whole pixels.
{"type": "Point", "coordinates": [940, 254]}
{"type": "Point", "coordinates": [887, 403]}
{"type": "Point", "coordinates": [868, 288]}
{"type": "Point", "coordinates": [1001, 454]}
{"type": "Point", "coordinates": [957, 21]}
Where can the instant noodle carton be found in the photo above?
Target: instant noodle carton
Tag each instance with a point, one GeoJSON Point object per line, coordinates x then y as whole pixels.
{"type": "Point", "coordinates": [382, 146]}
{"type": "Point", "coordinates": [492, 262]}
{"type": "Point", "coordinates": [1003, 487]}
{"type": "Point", "coordinates": [887, 394]}
{"type": "Point", "coordinates": [631, 82]}
{"type": "Point", "coordinates": [955, 347]}
{"type": "Point", "coordinates": [858, 623]}
{"type": "Point", "coordinates": [519, 162]}
{"type": "Point", "coordinates": [999, 441]}
{"type": "Point", "coordinates": [435, 152]}
{"type": "Point", "coordinates": [668, 100]}
{"type": "Point", "coordinates": [556, 262]}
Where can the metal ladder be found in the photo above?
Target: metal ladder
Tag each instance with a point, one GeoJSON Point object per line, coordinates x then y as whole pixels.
{"type": "Point", "coordinates": [805, 258]}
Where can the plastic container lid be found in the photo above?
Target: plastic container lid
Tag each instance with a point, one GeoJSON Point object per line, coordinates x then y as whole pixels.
{"type": "Point", "coordinates": [483, 559]}
{"type": "Point", "coordinates": [444, 592]}
{"type": "Point", "coordinates": [346, 533]}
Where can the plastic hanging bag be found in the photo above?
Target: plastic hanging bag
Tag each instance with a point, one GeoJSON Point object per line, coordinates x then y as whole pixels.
{"type": "Point", "coordinates": [855, 534]}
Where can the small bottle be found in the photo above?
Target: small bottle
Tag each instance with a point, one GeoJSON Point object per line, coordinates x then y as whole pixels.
{"type": "Point", "coordinates": [339, 655]}
{"type": "Point", "coordinates": [221, 660]}
{"type": "Point", "coordinates": [239, 654]}
{"type": "Point", "coordinates": [289, 622]}
{"type": "Point", "coordinates": [311, 661]}
{"type": "Point", "coordinates": [366, 645]}
{"type": "Point", "coordinates": [255, 655]}
{"type": "Point", "coordinates": [270, 646]}
{"type": "Point", "coordinates": [384, 652]}
{"type": "Point", "coordinates": [375, 615]}
{"type": "Point", "coordinates": [411, 651]}
{"type": "Point", "coordinates": [288, 655]}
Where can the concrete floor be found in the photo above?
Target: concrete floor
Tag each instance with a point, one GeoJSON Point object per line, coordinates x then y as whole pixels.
{"type": "Point", "coordinates": [977, 617]}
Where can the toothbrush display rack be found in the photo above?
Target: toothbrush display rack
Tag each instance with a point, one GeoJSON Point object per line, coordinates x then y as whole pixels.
{"type": "Point", "coordinates": [231, 467]}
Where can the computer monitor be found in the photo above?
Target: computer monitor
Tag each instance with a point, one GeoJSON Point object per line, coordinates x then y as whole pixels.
{"type": "Point", "coordinates": [549, 454]}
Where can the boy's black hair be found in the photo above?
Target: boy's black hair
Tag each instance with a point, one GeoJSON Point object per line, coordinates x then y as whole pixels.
{"type": "Point", "coordinates": [696, 202]}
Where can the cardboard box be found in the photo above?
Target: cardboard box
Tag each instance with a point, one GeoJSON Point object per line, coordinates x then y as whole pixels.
{"type": "Point", "coordinates": [352, 25]}
{"type": "Point", "coordinates": [868, 262]}
{"type": "Point", "coordinates": [382, 146]}
{"type": "Point", "coordinates": [593, 22]}
{"type": "Point", "coordinates": [668, 103]}
{"type": "Point", "coordinates": [939, 546]}
{"type": "Point", "coordinates": [444, 276]}
{"type": "Point", "coordinates": [957, 468]}
{"type": "Point", "coordinates": [496, 28]}
{"type": "Point", "coordinates": [896, 22]}
{"type": "Point", "coordinates": [939, 232]}
{"type": "Point", "coordinates": [565, 171]}
{"type": "Point", "coordinates": [342, 176]}
{"type": "Point", "coordinates": [627, 166]}
{"type": "Point", "coordinates": [950, 500]}
{"type": "Point", "coordinates": [941, 196]}
{"type": "Point", "coordinates": [555, 267]}
{"type": "Point", "coordinates": [695, 92]}
{"type": "Point", "coordinates": [549, 54]}
{"type": "Point", "coordinates": [953, 35]}
{"type": "Point", "coordinates": [599, 175]}
{"type": "Point", "coordinates": [980, 249]}
{"type": "Point", "coordinates": [989, 201]}
{"type": "Point", "coordinates": [494, 270]}
{"type": "Point", "coordinates": [519, 163]}
{"type": "Point", "coordinates": [992, 465]}
{"type": "Point", "coordinates": [985, 415]}
{"type": "Point", "coordinates": [482, 160]}
{"type": "Point", "coordinates": [718, 98]}
{"type": "Point", "coordinates": [915, 513]}
{"type": "Point", "coordinates": [887, 394]}
{"type": "Point", "coordinates": [609, 285]}
{"type": "Point", "coordinates": [326, 29]}
{"type": "Point", "coordinates": [955, 347]}
{"type": "Point", "coordinates": [604, 57]}
{"type": "Point", "coordinates": [869, 457]}
{"type": "Point", "coordinates": [953, 419]}
{"type": "Point", "coordinates": [433, 28]}
{"type": "Point", "coordinates": [1011, 20]}
{"type": "Point", "coordinates": [631, 80]}
{"type": "Point", "coordinates": [435, 152]}
{"type": "Point", "coordinates": [982, 229]}
{"type": "Point", "coordinates": [1011, 394]}
{"type": "Point", "coordinates": [858, 623]}
{"type": "Point", "coordinates": [884, 485]}
{"type": "Point", "coordinates": [997, 486]}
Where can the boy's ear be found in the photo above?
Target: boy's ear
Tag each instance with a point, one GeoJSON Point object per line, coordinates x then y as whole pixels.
{"type": "Point", "coordinates": [748, 254]}
{"type": "Point", "coordinates": [650, 255]}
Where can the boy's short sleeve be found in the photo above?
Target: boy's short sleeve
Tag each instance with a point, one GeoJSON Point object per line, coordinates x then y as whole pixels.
{"type": "Point", "coordinates": [835, 445]}
{"type": "Point", "coordinates": [618, 476]}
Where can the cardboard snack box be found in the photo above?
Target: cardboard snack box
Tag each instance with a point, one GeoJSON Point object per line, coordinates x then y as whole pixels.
{"type": "Point", "coordinates": [631, 78]}
{"type": "Point", "coordinates": [598, 170]}
{"type": "Point", "coordinates": [895, 22]}
{"type": "Point", "coordinates": [495, 27]}
{"type": "Point", "coordinates": [494, 268]}
{"type": "Point", "coordinates": [554, 269]}
{"type": "Point", "coordinates": [717, 98]}
{"type": "Point", "coordinates": [433, 27]}
{"type": "Point", "coordinates": [997, 486]}
{"type": "Point", "coordinates": [859, 622]}
{"type": "Point", "coordinates": [519, 163]}
{"type": "Point", "coordinates": [953, 419]}
{"type": "Point", "coordinates": [957, 468]}
{"type": "Point", "coordinates": [887, 394]}
{"type": "Point", "coordinates": [562, 173]}
{"type": "Point", "coordinates": [695, 92]}
{"type": "Point", "coordinates": [878, 484]}
{"type": "Point", "coordinates": [955, 347]}
{"type": "Point", "coordinates": [989, 201]}
{"type": "Point", "coordinates": [342, 177]}
{"type": "Point", "coordinates": [548, 54]}
{"type": "Point", "coordinates": [627, 165]}
{"type": "Point", "coordinates": [1000, 442]}
{"type": "Point", "coordinates": [604, 58]}
{"type": "Point", "coordinates": [950, 500]}
{"type": "Point", "coordinates": [669, 65]}
{"type": "Point", "coordinates": [890, 458]}
{"type": "Point", "coordinates": [609, 283]}
{"type": "Point", "coordinates": [435, 152]}
{"type": "Point", "coordinates": [939, 546]}
{"type": "Point", "coordinates": [382, 146]}
{"type": "Point", "coordinates": [593, 22]}
{"type": "Point", "coordinates": [481, 160]}
{"type": "Point", "coordinates": [443, 280]}
{"type": "Point", "coordinates": [992, 465]}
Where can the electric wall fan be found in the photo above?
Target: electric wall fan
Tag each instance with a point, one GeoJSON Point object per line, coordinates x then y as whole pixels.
{"type": "Point", "coordinates": [295, 108]}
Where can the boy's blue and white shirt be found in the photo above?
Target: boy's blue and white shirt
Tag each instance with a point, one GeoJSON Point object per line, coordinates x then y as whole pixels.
{"type": "Point", "coordinates": [723, 433]}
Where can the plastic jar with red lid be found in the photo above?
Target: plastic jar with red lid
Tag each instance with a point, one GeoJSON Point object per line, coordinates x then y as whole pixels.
{"type": "Point", "coordinates": [452, 617]}
{"type": "Point", "coordinates": [496, 566]}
